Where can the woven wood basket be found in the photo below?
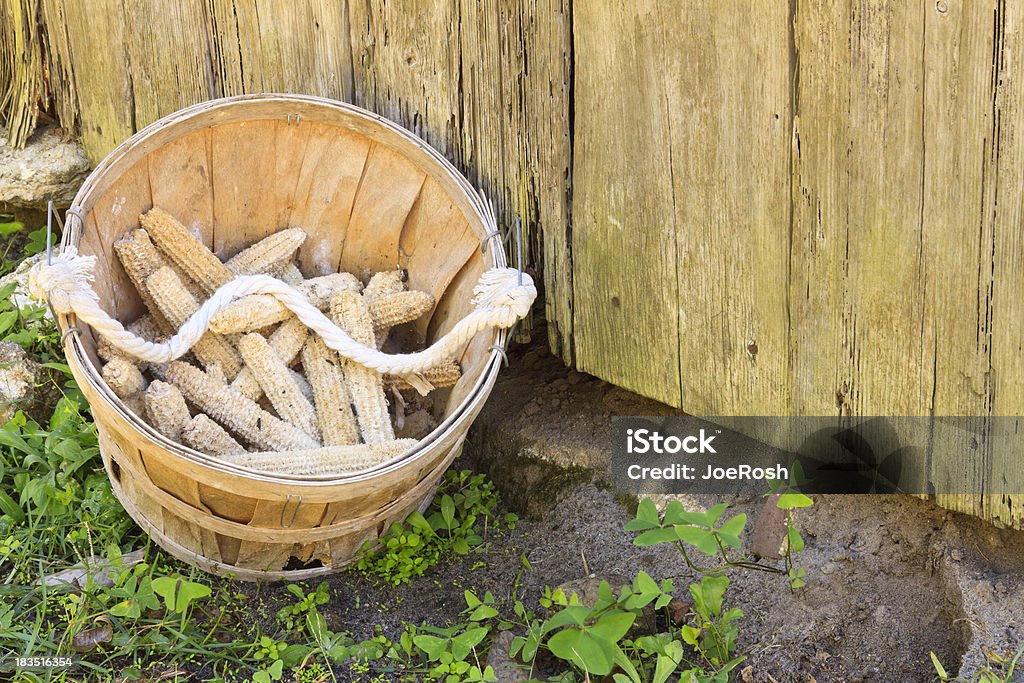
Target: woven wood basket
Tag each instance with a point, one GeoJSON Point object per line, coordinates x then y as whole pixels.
{"type": "Point", "coordinates": [371, 197]}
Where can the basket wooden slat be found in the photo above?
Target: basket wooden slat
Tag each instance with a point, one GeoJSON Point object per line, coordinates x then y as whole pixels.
{"type": "Point", "coordinates": [371, 197]}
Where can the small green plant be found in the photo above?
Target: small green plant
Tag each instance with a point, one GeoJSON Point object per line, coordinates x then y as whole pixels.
{"type": "Point", "coordinates": [460, 516]}
{"type": "Point", "coordinates": [452, 654]}
{"type": "Point", "coordinates": [592, 640]}
{"type": "Point", "coordinates": [999, 668]}
{"type": "Point", "coordinates": [700, 530]}
{"type": "Point", "coordinates": [291, 616]}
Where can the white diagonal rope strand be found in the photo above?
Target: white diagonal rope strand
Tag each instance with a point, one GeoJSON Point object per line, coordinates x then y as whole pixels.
{"type": "Point", "coordinates": [498, 298]}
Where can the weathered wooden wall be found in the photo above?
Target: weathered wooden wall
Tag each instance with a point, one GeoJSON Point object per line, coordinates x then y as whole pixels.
{"type": "Point", "coordinates": [739, 207]}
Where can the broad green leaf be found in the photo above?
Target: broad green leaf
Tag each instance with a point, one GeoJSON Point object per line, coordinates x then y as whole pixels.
{"type": "Point", "coordinates": [316, 625]}
{"type": "Point", "coordinates": [645, 584]}
{"type": "Point", "coordinates": [708, 595]}
{"type": "Point", "coordinates": [675, 513]}
{"type": "Point", "coordinates": [620, 658]}
{"type": "Point", "coordinates": [583, 650]}
{"type": "Point", "coordinates": [796, 541]}
{"type": "Point", "coordinates": [12, 439]}
{"type": "Point", "coordinates": [715, 512]}
{"type": "Point", "coordinates": [793, 500]}
{"type": "Point", "coordinates": [11, 508]}
{"type": "Point", "coordinates": [689, 634]}
{"type": "Point", "coordinates": [448, 511]}
{"type": "Point", "coordinates": [10, 227]}
{"type": "Point", "coordinates": [664, 667]}
{"type": "Point", "coordinates": [655, 536]}
{"type": "Point", "coordinates": [432, 646]}
{"type": "Point", "coordinates": [464, 643]}
{"type": "Point", "coordinates": [7, 320]}
{"type": "Point", "coordinates": [483, 612]}
{"type": "Point", "coordinates": [178, 593]}
{"type": "Point", "coordinates": [734, 526]}
{"type": "Point", "coordinates": [612, 626]}
{"type": "Point", "coordinates": [570, 616]}
{"type": "Point", "coordinates": [701, 539]}
{"type": "Point", "coordinates": [646, 517]}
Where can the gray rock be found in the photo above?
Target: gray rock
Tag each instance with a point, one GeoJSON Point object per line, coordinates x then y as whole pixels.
{"type": "Point", "coordinates": [505, 668]}
{"type": "Point", "coordinates": [17, 379]}
{"type": "Point", "coordinates": [48, 168]}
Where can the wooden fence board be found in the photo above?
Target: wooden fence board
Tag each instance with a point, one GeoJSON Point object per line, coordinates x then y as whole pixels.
{"type": "Point", "coordinates": [625, 311]}
{"type": "Point", "coordinates": [730, 156]}
{"type": "Point", "coordinates": [857, 288]}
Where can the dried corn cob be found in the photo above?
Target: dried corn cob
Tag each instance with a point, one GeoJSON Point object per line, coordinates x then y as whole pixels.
{"type": "Point", "coordinates": [287, 341]}
{"type": "Point", "coordinates": [140, 259]}
{"type": "Point", "coordinates": [351, 314]}
{"type": "Point", "coordinates": [276, 381]}
{"type": "Point", "coordinates": [177, 305]}
{"type": "Point", "coordinates": [136, 404]}
{"type": "Point", "coordinates": [123, 377]}
{"type": "Point", "coordinates": [396, 308]}
{"type": "Point", "coordinates": [291, 274]}
{"type": "Point", "coordinates": [326, 460]}
{"type": "Point", "coordinates": [235, 412]}
{"type": "Point", "coordinates": [185, 250]}
{"type": "Point", "coordinates": [206, 436]}
{"type": "Point", "coordinates": [333, 404]}
{"type": "Point", "coordinates": [259, 310]}
{"type": "Point", "coordinates": [166, 409]}
{"type": "Point", "coordinates": [444, 375]}
{"type": "Point", "coordinates": [303, 384]}
{"type": "Point", "coordinates": [268, 255]}
{"type": "Point", "coordinates": [215, 372]}
{"type": "Point", "coordinates": [385, 282]}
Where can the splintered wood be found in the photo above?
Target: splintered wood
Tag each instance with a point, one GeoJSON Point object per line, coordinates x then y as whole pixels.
{"type": "Point", "coordinates": [259, 390]}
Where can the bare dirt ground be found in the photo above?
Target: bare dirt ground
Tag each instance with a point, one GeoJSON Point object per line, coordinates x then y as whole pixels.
{"type": "Point", "coordinates": [890, 578]}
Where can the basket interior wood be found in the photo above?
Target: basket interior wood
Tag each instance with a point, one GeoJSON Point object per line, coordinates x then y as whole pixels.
{"type": "Point", "coordinates": [364, 204]}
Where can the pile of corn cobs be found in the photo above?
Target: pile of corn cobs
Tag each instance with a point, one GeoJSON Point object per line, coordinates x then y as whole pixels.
{"type": "Point", "coordinates": [261, 391]}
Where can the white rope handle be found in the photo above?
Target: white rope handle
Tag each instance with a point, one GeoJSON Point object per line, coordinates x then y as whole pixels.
{"type": "Point", "coordinates": [500, 299]}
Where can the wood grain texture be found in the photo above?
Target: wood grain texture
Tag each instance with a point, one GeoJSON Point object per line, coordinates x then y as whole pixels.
{"type": "Point", "coordinates": [973, 153]}
{"type": "Point", "coordinates": [21, 68]}
{"type": "Point", "coordinates": [730, 145]}
{"type": "Point", "coordinates": [625, 263]}
{"type": "Point", "coordinates": [487, 83]}
{"type": "Point", "coordinates": [159, 57]}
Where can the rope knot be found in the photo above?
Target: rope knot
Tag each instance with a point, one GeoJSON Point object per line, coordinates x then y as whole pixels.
{"type": "Point", "coordinates": [500, 290]}
{"type": "Point", "coordinates": [66, 276]}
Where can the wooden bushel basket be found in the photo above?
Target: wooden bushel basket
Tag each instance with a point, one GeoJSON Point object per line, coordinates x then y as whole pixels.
{"type": "Point", "coordinates": [371, 197]}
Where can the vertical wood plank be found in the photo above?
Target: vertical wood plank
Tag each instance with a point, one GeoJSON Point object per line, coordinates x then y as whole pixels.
{"type": "Point", "coordinates": [729, 146]}
{"type": "Point", "coordinates": [486, 82]}
{"type": "Point", "coordinates": [180, 182]}
{"type": "Point", "coordinates": [958, 222]}
{"type": "Point", "coordinates": [859, 344]}
{"type": "Point", "coordinates": [325, 190]}
{"type": "Point", "coordinates": [1006, 130]}
{"type": "Point", "coordinates": [515, 132]}
{"type": "Point", "coordinates": [625, 288]}
{"type": "Point", "coordinates": [108, 89]}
